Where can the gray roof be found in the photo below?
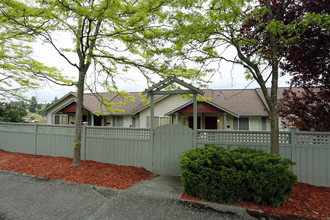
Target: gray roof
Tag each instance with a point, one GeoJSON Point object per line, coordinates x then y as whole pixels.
{"type": "Point", "coordinates": [95, 103]}
{"type": "Point", "coordinates": [238, 102]}
{"type": "Point", "coordinates": [279, 93]}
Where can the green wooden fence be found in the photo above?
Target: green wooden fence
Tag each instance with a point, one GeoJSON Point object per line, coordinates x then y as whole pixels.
{"type": "Point", "coordinates": [121, 146]}
{"type": "Point", "coordinates": [132, 146]}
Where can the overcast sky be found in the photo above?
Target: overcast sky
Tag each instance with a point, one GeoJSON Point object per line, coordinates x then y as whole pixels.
{"type": "Point", "coordinates": [228, 78]}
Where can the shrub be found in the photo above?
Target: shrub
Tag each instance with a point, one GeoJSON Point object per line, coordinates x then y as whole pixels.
{"type": "Point", "coordinates": [231, 175]}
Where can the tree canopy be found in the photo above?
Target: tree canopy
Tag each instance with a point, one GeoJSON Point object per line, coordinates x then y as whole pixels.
{"type": "Point", "coordinates": [108, 37]}
{"type": "Point", "coordinates": [308, 61]}
{"type": "Point", "coordinates": [19, 70]}
{"type": "Point", "coordinates": [184, 38]}
{"type": "Point", "coordinates": [307, 110]}
{"type": "Point", "coordinates": [260, 32]}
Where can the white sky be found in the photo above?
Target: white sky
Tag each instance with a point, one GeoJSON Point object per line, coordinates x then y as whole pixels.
{"type": "Point", "coordinates": [229, 78]}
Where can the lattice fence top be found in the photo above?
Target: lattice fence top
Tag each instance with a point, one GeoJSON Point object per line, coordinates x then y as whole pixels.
{"type": "Point", "coordinates": [25, 127]}
{"type": "Point", "coordinates": [234, 137]}
{"type": "Point", "coordinates": [285, 138]}
{"type": "Point", "coordinates": [56, 129]}
{"type": "Point", "coordinates": [241, 137]}
{"type": "Point", "coordinates": [206, 136]}
{"type": "Point", "coordinates": [135, 133]}
{"type": "Point", "coordinates": [129, 133]}
{"type": "Point", "coordinates": [313, 139]}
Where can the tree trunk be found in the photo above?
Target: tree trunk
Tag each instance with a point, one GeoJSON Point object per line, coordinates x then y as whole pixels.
{"type": "Point", "coordinates": [78, 118]}
{"type": "Point", "coordinates": [273, 105]}
{"type": "Point", "coordinates": [274, 137]}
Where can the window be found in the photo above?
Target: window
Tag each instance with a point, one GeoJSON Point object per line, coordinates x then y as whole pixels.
{"type": "Point", "coordinates": [61, 119]}
{"type": "Point", "coordinates": [120, 121]}
{"type": "Point", "coordinates": [243, 124]}
{"type": "Point", "coordinates": [251, 124]}
{"type": "Point", "coordinates": [64, 119]}
{"type": "Point", "coordinates": [163, 121]}
{"type": "Point", "coordinates": [57, 119]}
{"type": "Point", "coordinates": [159, 121]}
{"type": "Point", "coordinates": [127, 121]}
{"type": "Point", "coordinates": [255, 124]}
{"type": "Point", "coordinates": [185, 120]}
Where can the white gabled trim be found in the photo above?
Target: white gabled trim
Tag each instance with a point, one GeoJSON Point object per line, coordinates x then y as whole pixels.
{"type": "Point", "coordinates": [148, 105]}
{"type": "Point", "coordinates": [223, 109]}
{"type": "Point", "coordinates": [61, 99]}
{"type": "Point", "coordinates": [65, 104]}
{"type": "Point", "coordinates": [208, 102]}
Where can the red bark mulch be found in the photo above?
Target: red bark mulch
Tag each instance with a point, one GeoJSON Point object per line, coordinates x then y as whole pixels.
{"type": "Point", "coordinates": [88, 172]}
{"type": "Point", "coordinates": [307, 201]}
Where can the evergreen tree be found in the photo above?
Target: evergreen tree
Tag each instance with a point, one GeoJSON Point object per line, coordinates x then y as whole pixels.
{"type": "Point", "coordinates": [12, 112]}
{"type": "Point", "coordinates": [33, 105]}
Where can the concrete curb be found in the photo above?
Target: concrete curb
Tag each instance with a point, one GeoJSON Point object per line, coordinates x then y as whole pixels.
{"type": "Point", "coordinates": [241, 212]}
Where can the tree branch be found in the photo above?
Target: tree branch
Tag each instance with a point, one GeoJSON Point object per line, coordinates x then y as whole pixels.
{"type": "Point", "coordinates": [286, 94]}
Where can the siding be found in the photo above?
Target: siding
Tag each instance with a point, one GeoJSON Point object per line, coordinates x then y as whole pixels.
{"type": "Point", "coordinates": [162, 107]}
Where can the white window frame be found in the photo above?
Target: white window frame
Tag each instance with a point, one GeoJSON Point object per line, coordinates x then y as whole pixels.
{"type": "Point", "coordinates": [61, 118]}
{"type": "Point", "coordinates": [255, 124]}
{"type": "Point", "coordinates": [127, 121]}
{"type": "Point", "coordinates": [157, 120]}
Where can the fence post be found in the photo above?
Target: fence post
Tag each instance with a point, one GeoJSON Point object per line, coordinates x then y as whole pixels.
{"type": "Point", "coordinates": [195, 120]}
{"type": "Point", "coordinates": [83, 138]}
{"type": "Point", "coordinates": [35, 137]}
{"type": "Point", "coordinates": [152, 129]}
{"type": "Point", "coordinates": [293, 143]}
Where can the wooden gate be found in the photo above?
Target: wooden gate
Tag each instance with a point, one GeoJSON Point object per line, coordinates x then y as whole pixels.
{"type": "Point", "coordinates": [170, 141]}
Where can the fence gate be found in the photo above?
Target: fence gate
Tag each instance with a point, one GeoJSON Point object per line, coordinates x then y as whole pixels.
{"type": "Point", "coordinates": [169, 143]}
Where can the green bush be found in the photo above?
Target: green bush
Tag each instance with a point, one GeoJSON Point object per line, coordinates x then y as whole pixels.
{"type": "Point", "coordinates": [230, 175]}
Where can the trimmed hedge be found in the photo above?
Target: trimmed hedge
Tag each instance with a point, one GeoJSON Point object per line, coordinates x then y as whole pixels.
{"type": "Point", "coordinates": [231, 175]}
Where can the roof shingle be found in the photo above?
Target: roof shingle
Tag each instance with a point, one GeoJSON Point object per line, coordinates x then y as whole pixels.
{"type": "Point", "coordinates": [246, 102]}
